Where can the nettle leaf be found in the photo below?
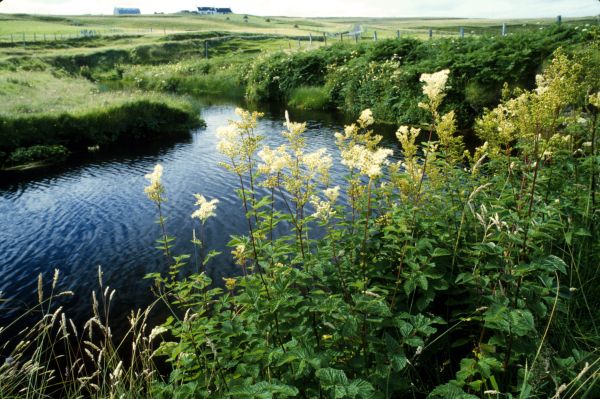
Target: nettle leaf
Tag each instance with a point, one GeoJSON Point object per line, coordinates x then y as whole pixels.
{"type": "Point", "coordinates": [399, 362]}
{"type": "Point", "coordinates": [405, 327]}
{"type": "Point", "coordinates": [331, 377]}
{"type": "Point", "coordinates": [263, 390]}
{"type": "Point", "coordinates": [487, 365]}
{"type": "Point", "coordinates": [555, 263]}
{"type": "Point", "coordinates": [495, 318]}
{"type": "Point", "coordinates": [360, 389]}
{"type": "Point", "coordinates": [449, 391]}
{"type": "Point", "coordinates": [409, 286]}
{"type": "Point", "coordinates": [521, 322]}
{"type": "Point", "coordinates": [423, 282]}
{"type": "Point", "coordinates": [440, 252]}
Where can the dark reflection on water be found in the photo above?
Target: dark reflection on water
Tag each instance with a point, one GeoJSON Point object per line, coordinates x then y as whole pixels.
{"type": "Point", "coordinates": [95, 213]}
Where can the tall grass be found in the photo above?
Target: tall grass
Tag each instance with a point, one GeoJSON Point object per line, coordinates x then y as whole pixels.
{"type": "Point", "coordinates": [55, 357]}
{"type": "Point", "coordinates": [309, 98]}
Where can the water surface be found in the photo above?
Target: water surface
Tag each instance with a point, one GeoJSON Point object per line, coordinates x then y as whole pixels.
{"type": "Point", "coordinates": [96, 214]}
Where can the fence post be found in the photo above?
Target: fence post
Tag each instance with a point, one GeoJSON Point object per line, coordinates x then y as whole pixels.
{"type": "Point", "coordinates": [559, 19]}
{"type": "Point", "coordinates": [430, 33]}
{"type": "Point", "coordinates": [398, 34]}
{"type": "Point", "coordinates": [462, 32]}
{"type": "Point", "coordinates": [310, 39]}
{"type": "Point", "coordinates": [504, 29]}
{"type": "Point", "coordinates": [375, 35]}
{"type": "Point", "coordinates": [299, 44]}
{"type": "Point", "coordinates": [325, 38]}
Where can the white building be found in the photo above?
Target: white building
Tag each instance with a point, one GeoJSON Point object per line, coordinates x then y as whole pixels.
{"type": "Point", "coordinates": [213, 10]}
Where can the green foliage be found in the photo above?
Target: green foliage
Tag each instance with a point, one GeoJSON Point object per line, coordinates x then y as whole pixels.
{"type": "Point", "coordinates": [308, 98]}
{"type": "Point", "coordinates": [455, 276]}
{"type": "Point", "coordinates": [39, 108]}
{"type": "Point", "coordinates": [384, 76]}
{"type": "Point", "coordinates": [447, 274]}
{"type": "Point", "coordinates": [38, 153]}
{"type": "Point", "coordinates": [198, 77]}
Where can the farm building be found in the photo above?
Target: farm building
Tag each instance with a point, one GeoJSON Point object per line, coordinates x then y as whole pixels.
{"type": "Point", "coordinates": [214, 10]}
{"type": "Point", "coordinates": [126, 11]}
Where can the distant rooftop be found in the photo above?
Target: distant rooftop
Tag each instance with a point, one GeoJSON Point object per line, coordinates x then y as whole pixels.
{"type": "Point", "coordinates": [214, 10]}
{"type": "Point", "coordinates": [126, 11]}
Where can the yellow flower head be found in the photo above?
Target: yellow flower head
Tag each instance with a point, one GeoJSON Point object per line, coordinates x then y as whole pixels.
{"type": "Point", "coordinates": [230, 283]}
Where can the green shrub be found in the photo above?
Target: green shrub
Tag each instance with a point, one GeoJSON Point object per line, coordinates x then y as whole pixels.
{"type": "Point", "coordinates": [384, 75]}
{"type": "Point", "coordinates": [38, 153]}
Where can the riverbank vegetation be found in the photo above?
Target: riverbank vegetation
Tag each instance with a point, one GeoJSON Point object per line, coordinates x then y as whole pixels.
{"type": "Point", "coordinates": [447, 274]}
{"type": "Point", "coordinates": [382, 76]}
{"type": "Point", "coordinates": [47, 115]}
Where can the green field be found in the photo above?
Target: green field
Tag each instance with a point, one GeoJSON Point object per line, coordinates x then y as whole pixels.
{"type": "Point", "coordinates": [154, 25]}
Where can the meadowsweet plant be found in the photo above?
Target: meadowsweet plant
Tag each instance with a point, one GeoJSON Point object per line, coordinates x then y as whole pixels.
{"type": "Point", "coordinates": [450, 273]}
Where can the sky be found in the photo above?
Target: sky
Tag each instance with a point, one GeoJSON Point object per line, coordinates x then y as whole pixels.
{"type": "Point", "coordinates": [321, 8]}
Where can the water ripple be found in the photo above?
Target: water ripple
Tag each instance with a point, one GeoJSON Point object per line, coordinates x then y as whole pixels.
{"type": "Point", "coordinates": [97, 214]}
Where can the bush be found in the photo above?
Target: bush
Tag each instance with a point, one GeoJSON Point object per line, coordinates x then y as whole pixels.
{"type": "Point", "coordinates": [384, 75]}
{"type": "Point", "coordinates": [38, 153]}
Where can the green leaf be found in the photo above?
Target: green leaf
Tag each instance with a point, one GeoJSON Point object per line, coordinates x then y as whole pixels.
{"type": "Point", "coordinates": [330, 377]}
{"type": "Point", "coordinates": [449, 391]}
{"type": "Point", "coordinates": [399, 362]}
{"type": "Point", "coordinates": [360, 389]}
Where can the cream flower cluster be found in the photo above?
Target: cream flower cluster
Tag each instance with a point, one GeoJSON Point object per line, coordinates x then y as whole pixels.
{"type": "Point", "coordinates": [324, 209]}
{"type": "Point", "coordinates": [366, 118]}
{"type": "Point", "coordinates": [318, 162]}
{"type": "Point", "coordinates": [229, 141]}
{"type": "Point", "coordinates": [155, 189]}
{"type": "Point", "coordinates": [274, 161]}
{"type": "Point", "coordinates": [435, 83]}
{"type": "Point", "coordinates": [206, 209]}
{"type": "Point", "coordinates": [368, 162]}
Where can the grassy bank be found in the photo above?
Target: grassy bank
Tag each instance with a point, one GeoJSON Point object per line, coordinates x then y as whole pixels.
{"type": "Point", "coordinates": [40, 108]}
